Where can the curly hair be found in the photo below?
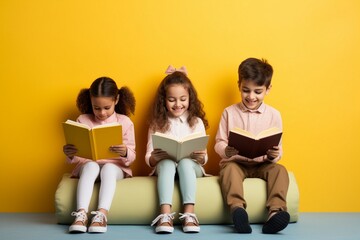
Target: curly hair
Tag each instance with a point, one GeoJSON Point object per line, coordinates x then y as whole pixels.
{"type": "Point", "coordinates": [106, 87]}
{"type": "Point", "coordinates": [159, 118]}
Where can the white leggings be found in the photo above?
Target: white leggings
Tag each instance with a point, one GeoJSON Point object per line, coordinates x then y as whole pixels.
{"type": "Point", "coordinates": [109, 174]}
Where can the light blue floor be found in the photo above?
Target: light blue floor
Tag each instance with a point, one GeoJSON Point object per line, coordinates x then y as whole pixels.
{"type": "Point", "coordinates": [317, 226]}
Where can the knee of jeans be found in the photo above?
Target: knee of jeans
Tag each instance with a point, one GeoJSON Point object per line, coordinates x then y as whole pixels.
{"type": "Point", "coordinates": [166, 163]}
{"type": "Point", "coordinates": [185, 163]}
{"type": "Point", "coordinates": [166, 167]}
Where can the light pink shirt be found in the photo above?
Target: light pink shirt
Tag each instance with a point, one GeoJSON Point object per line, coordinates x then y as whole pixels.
{"type": "Point", "coordinates": [179, 127]}
{"type": "Point", "coordinates": [128, 140]}
{"type": "Point", "coordinates": [254, 121]}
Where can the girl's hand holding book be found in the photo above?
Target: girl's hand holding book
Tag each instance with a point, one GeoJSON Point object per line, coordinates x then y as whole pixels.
{"type": "Point", "coordinates": [199, 156]}
{"type": "Point", "coordinates": [70, 150]}
{"type": "Point", "coordinates": [157, 155]}
{"type": "Point", "coordinates": [119, 149]}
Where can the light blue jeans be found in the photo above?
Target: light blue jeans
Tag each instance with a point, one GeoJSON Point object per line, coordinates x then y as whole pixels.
{"type": "Point", "coordinates": [187, 170]}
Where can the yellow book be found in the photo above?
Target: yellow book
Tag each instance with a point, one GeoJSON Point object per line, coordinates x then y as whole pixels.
{"type": "Point", "coordinates": [93, 143]}
{"type": "Point", "coordinates": [180, 148]}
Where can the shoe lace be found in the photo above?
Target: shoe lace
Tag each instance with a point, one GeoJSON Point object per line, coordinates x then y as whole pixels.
{"type": "Point", "coordinates": [79, 216]}
{"type": "Point", "coordinates": [165, 217]}
{"type": "Point", "coordinates": [99, 217]}
{"type": "Point", "coordinates": [189, 217]}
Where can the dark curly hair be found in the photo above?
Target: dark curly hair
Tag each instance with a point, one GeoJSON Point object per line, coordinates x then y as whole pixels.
{"type": "Point", "coordinates": [159, 118]}
{"type": "Point", "coordinates": [106, 87]}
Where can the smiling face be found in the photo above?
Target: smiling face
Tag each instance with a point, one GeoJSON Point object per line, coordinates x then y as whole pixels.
{"type": "Point", "coordinates": [103, 107]}
{"type": "Point", "coordinates": [252, 95]}
{"type": "Point", "coordinates": [177, 100]}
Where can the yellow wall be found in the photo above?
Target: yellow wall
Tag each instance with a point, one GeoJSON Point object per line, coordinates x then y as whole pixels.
{"type": "Point", "coordinates": [50, 49]}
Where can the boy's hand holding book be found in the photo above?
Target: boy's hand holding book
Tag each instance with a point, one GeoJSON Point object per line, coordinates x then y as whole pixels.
{"type": "Point", "coordinates": [231, 151]}
{"type": "Point", "coordinates": [273, 153]}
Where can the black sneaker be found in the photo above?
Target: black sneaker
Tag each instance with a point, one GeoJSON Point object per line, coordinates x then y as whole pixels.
{"type": "Point", "coordinates": [241, 221]}
{"type": "Point", "coordinates": [276, 223]}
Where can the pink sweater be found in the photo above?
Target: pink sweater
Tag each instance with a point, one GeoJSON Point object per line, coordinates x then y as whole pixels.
{"type": "Point", "coordinates": [128, 139]}
{"type": "Point", "coordinates": [254, 121]}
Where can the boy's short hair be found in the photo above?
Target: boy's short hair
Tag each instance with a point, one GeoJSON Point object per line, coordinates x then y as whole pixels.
{"type": "Point", "coordinates": [258, 71]}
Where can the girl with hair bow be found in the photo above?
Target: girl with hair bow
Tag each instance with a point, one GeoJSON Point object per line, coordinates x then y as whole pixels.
{"type": "Point", "coordinates": [177, 111]}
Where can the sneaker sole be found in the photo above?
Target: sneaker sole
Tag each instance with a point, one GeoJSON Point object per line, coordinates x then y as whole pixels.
{"type": "Point", "coordinates": [77, 229]}
{"type": "Point", "coordinates": [97, 229]}
{"type": "Point", "coordinates": [277, 223]}
{"type": "Point", "coordinates": [241, 221]}
{"type": "Point", "coordinates": [192, 229]}
{"type": "Point", "coordinates": [164, 229]}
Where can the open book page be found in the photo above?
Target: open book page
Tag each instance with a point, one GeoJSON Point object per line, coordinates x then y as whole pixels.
{"type": "Point", "coordinates": [191, 136]}
{"type": "Point", "coordinates": [82, 125]}
{"type": "Point", "coordinates": [268, 132]}
{"type": "Point", "coordinates": [264, 133]}
{"type": "Point", "coordinates": [106, 125]}
{"type": "Point", "coordinates": [192, 145]}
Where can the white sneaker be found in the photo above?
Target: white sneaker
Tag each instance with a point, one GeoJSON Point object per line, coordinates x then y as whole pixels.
{"type": "Point", "coordinates": [80, 222]}
{"type": "Point", "coordinates": [190, 223]}
{"type": "Point", "coordinates": [164, 223]}
{"type": "Point", "coordinates": [98, 223]}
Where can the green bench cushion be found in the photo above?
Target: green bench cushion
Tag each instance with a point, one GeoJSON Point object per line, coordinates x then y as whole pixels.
{"type": "Point", "coordinates": [136, 201]}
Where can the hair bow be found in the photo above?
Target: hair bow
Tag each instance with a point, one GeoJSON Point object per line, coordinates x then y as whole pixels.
{"type": "Point", "coordinates": [171, 70]}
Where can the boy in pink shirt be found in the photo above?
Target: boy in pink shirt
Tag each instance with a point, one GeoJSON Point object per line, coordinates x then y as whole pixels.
{"type": "Point", "coordinates": [252, 115]}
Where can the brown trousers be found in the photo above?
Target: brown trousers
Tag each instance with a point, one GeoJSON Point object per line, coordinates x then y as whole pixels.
{"type": "Point", "coordinates": [232, 175]}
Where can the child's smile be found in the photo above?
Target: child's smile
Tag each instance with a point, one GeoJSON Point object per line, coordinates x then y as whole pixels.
{"type": "Point", "coordinates": [252, 95]}
{"type": "Point", "coordinates": [177, 100]}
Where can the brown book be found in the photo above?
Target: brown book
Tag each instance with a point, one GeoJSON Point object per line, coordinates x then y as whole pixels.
{"type": "Point", "coordinates": [252, 146]}
{"type": "Point", "coordinates": [93, 143]}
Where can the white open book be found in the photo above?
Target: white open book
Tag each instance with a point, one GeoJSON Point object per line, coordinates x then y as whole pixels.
{"type": "Point", "coordinates": [180, 148]}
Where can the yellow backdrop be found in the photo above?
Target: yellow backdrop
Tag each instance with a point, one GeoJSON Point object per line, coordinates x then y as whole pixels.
{"type": "Point", "coordinates": [51, 49]}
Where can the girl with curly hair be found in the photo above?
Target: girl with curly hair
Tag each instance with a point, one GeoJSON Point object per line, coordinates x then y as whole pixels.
{"type": "Point", "coordinates": [177, 111]}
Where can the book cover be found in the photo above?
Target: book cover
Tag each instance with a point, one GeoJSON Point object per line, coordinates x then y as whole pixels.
{"type": "Point", "coordinates": [252, 146]}
{"type": "Point", "coordinates": [180, 148]}
{"type": "Point", "coordinates": [93, 143]}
